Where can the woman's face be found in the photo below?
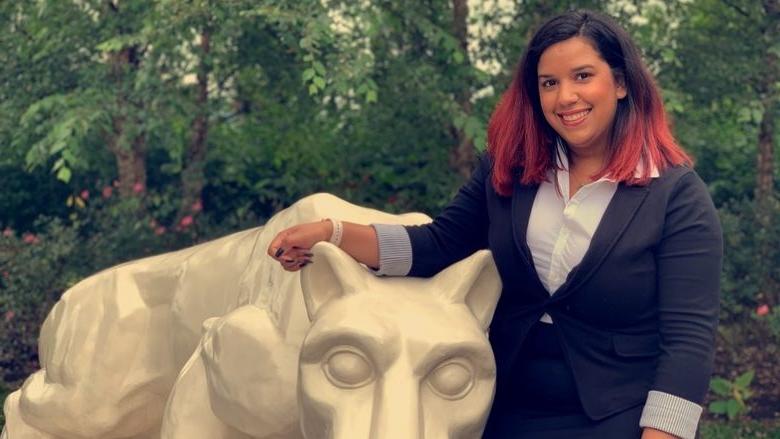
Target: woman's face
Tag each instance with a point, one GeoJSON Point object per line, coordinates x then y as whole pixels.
{"type": "Point", "coordinates": [579, 95]}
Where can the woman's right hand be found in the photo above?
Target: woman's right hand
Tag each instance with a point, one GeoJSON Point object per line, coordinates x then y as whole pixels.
{"type": "Point", "coordinates": [292, 246]}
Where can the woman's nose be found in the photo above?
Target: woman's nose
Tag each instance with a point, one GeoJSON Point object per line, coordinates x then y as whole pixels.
{"type": "Point", "coordinates": [567, 94]}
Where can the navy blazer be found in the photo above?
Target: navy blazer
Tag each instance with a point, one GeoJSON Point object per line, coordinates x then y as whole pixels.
{"type": "Point", "coordinates": [638, 313]}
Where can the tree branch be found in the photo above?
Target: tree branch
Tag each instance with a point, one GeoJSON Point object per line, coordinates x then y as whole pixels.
{"type": "Point", "coordinates": [736, 8]}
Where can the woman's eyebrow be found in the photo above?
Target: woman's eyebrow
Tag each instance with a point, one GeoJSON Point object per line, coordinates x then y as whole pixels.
{"type": "Point", "coordinates": [583, 67]}
{"type": "Point", "coordinates": [575, 69]}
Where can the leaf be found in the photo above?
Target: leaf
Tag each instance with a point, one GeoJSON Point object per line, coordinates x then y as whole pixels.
{"type": "Point", "coordinates": [58, 164]}
{"type": "Point", "coordinates": [371, 96]}
{"type": "Point", "coordinates": [308, 74]}
{"type": "Point", "coordinates": [319, 81]}
{"type": "Point", "coordinates": [68, 156]}
{"type": "Point", "coordinates": [457, 57]}
{"type": "Point", "coordinates": [64, 174]}
{"type": "Point", "coordinates": [733, 408]}
{"type": "Point", "coordinates": [720, 386]}
{"type": "Point", "coordinates": [718, 407]}
{"type": "Point", "coordinates": [744, 380]}
{"type": "Point", "coordinates": [319, 68]}
{"type": "Point", "coordinates": [758, 114]}
{"type": "Point", "coordinates": [313, 89]}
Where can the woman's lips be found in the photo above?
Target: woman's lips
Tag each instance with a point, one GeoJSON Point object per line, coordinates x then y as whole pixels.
{"type": "Point", "coordinates": [573, 118]}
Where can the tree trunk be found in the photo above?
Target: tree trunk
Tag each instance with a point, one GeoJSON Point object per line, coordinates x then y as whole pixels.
{"type": "Point", "coordinates": [130, 160]}
{"type": "Point", "coordinates": [765, 162]}
{"type": "Point", "coordinates": [462, 155]}
{"type": "Point", "coordinates": [193, 178]}
{"type": "Point", "coordinates": [130, 155]}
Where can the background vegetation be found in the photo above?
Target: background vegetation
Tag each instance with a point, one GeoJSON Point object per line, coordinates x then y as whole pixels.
{"type": "Point", "coordinates": [130, 128]}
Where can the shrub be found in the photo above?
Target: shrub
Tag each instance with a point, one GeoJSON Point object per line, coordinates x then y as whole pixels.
{"type": "Point", "coordinates": [733, 395]}
{"type": "Point", "coordinates": [743, 265]}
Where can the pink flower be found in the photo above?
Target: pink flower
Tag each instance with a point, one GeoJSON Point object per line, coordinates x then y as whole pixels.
{"type": "Point", "coordinates": [8, 232]}
{"type": "Point", "coordinates": [159, 230]}
{"type": "Point", "coordinates": [186, 221]}
{"type": "Point", "coordinates": [138, 188]}
{"type": "Point", "coordinates": [29, 238]}
{"type": "Point", "coordinates": [107, 191]}
{"type": "Point", "coordinates": [762, 310]}
{"type": "Point", "coordinates": [84, 194]}
{"type": "Point", "coordinates": [196, 206]}
{"type": "Point", "coordinates": [9, 315]}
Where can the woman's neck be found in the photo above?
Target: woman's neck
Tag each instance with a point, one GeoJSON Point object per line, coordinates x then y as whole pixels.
{"type": "Point", "coordinates": [586, 164]}
{"type": "Point", "coordinates": [582, 168]}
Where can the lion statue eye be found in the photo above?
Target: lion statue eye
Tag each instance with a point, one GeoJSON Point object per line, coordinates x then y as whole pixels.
{"type": "Point", "coordinates": [452, 379]}
{"type": "Point", "coordinates": [348, 368]}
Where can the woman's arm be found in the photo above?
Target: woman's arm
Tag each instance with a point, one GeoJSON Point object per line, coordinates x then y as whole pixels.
{"type": "Point", "coordinates": [458, 231]}
{"type": "Point", "coordinates": [291, 246]}
{"type": "Point", "coordinates": [688, 264]}
{"type": "Point", "coordinates": [652, 433]}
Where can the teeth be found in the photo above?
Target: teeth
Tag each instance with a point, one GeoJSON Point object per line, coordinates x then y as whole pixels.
{"type": "Point", "coordinates": [575, 116]}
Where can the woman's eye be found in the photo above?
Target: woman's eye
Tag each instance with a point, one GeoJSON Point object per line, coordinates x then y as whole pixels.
{"type": "Point", "coordinates": [452, 379]}
{"type": "Point", "coordinates": [583, 75]}
{"type": "Point", "coordinates": [548, 83]}
{"type": "Point", "coordinates": [348, 368]}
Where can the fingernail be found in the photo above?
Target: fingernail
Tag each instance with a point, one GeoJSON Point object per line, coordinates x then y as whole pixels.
{"type": "Point", "coordinates": [308, 254]}
{"type": "Point", "coordinates": [279, 252]}
{"type": "Point", "coordinates": [288, 260]}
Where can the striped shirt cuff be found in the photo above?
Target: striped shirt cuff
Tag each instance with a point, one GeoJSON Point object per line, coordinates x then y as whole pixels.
{"type": "Point", "coordinates": [395, 250]}
{"type": "Point", "coordinates": [671, 414]}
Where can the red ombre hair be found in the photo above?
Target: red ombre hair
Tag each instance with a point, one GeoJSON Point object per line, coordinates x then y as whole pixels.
{"type": "Point", "coordinates": [520, 141]}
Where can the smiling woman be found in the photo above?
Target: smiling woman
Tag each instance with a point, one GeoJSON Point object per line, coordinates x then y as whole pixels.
{"type": "Point", "coordinates": [607, 243]}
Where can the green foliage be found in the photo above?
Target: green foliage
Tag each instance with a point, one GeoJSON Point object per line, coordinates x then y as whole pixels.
{"type": "Point", "coordinates": [743, 237]}
{"type": "Point", "coordinates": [61, 124]}
{"type": "Point", "coordinates": [733, 395]}
{"type": "Point", "coordinates": [773, 322]}
{"type": "Point", "coordinates": [740, 429]}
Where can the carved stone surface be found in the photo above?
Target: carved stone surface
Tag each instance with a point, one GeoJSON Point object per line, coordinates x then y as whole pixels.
{"type": "Point", "coordinates": [217, 341]}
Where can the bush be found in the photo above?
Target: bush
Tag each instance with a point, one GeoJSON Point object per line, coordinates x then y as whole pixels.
{"type": "Point", "coordinates": [744, 266]}
{"type": "Point", "coordinates": [740, 430]}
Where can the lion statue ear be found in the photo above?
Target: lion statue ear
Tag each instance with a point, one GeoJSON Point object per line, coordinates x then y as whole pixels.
{"type": "Point", "coordinates": [473, 281]}
{"type": "Point", "coordinates": [332, 275]}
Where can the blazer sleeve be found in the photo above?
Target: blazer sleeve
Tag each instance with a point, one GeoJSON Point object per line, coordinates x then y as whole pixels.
{"type": "Point", "coordinates": [688, 258]}
{"type": "Point", "coordinates": [460, 229]}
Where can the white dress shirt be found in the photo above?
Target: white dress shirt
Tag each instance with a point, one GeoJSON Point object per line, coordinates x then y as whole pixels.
{"type": "Point", "coordinates": [560, 228]}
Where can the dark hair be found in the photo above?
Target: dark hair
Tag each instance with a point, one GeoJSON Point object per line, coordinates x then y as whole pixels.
{"type": "Point", "coordinates": [520, 139]}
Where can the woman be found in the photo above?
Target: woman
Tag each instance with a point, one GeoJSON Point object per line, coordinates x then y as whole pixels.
{"type": "Point", "coordinates": [607, 243]}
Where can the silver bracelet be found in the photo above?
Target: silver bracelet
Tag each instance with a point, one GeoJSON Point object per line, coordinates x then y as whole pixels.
{"type": "Point", "coordinates": [338, 232]}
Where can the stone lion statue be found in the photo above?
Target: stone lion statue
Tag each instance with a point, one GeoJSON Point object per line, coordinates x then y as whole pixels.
{"type": "Point", "coordinates": [218, 341]}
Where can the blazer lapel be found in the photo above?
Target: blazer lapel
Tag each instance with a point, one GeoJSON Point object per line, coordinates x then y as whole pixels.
{"type": "Point", "coordinates": [522, 201]}
{"type": "Point", "coordinates": [619, 213]}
